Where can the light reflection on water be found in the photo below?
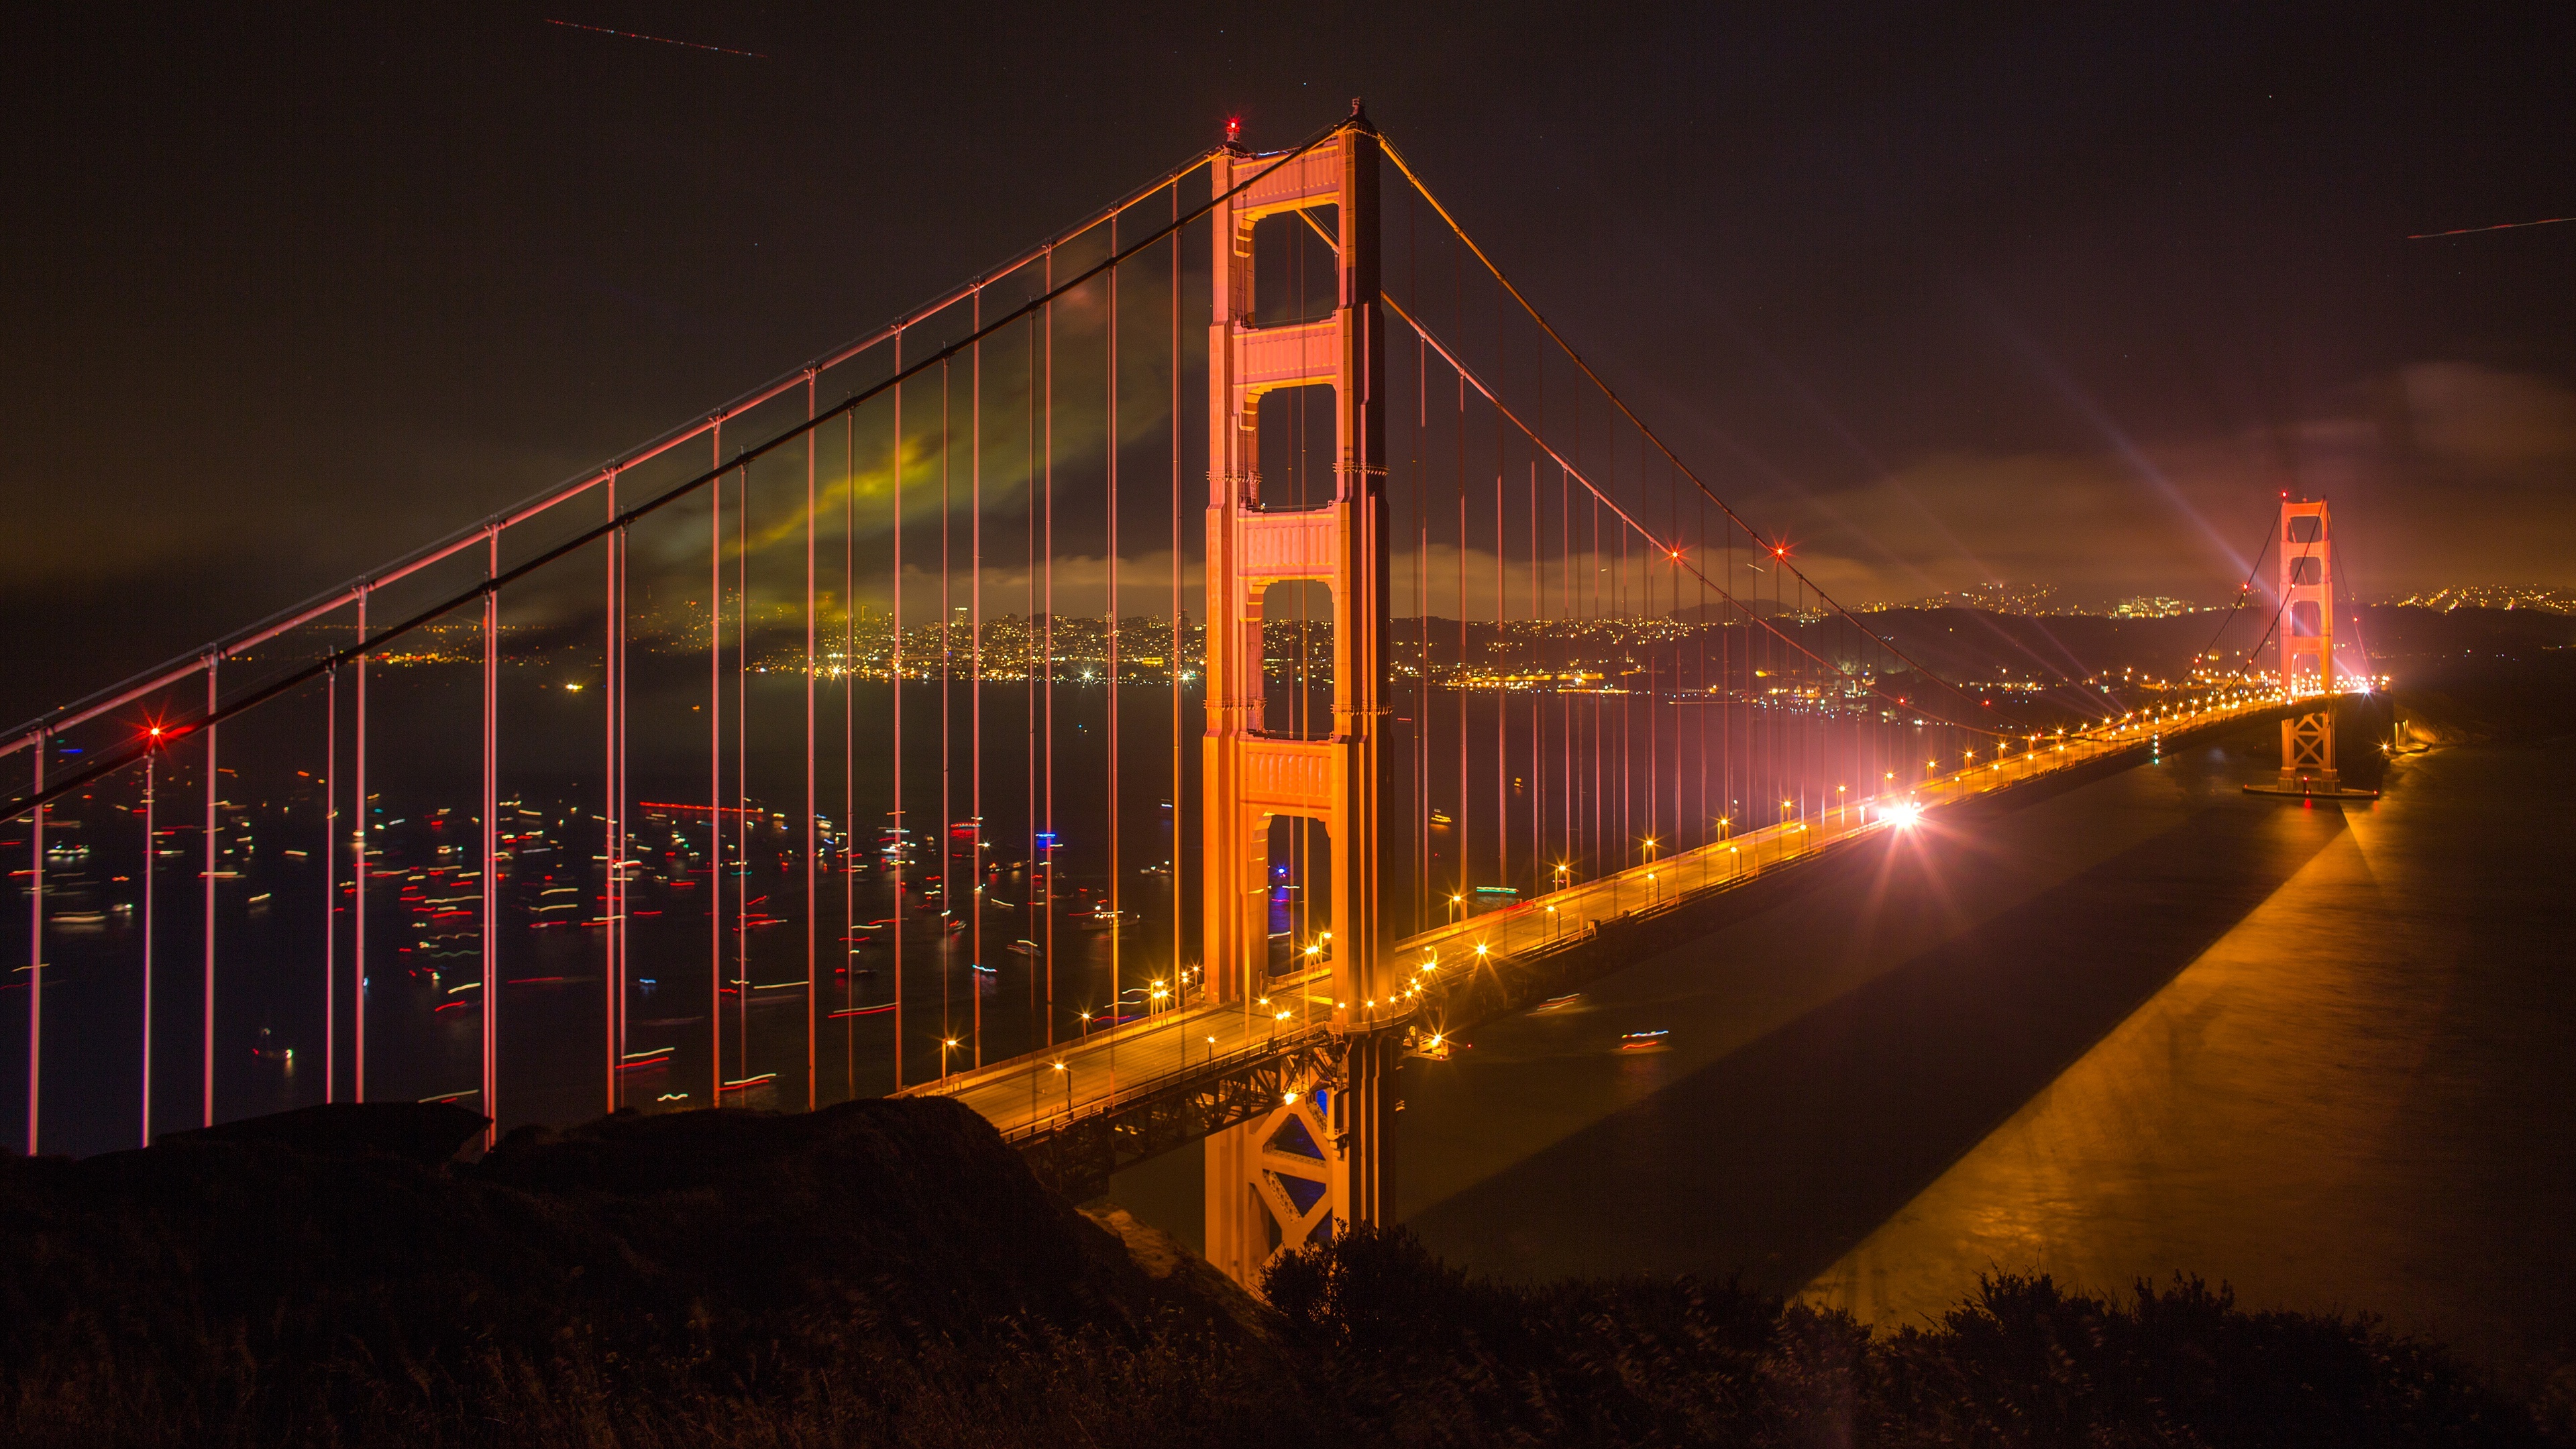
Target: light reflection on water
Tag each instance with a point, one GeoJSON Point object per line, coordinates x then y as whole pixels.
{"type": "Point", "coordinates": [2151, 1025]}
{"type": "Point", "coordinates": [2354, 1099]}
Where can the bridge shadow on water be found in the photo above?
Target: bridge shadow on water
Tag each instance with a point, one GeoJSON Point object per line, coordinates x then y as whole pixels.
{"type": "Point", "coordinates": [1781, 1155]}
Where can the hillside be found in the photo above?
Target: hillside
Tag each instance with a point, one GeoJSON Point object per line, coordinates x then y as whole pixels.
{"type": "Point", "coordinates": [888, 1273]}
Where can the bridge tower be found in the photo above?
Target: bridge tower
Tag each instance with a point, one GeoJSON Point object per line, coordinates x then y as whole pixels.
{"type": "Point", "coordinates": [1312, 1163]}
{"type": "Point", "coordinates": [2305, 628]}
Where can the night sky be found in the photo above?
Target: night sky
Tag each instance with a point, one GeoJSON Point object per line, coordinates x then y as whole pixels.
{"type": "Point", "coordinates": [1947, 293]}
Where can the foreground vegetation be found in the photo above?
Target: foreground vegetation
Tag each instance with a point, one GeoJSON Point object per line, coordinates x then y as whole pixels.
{"type": "Point", "coordinates": [888, 1274]}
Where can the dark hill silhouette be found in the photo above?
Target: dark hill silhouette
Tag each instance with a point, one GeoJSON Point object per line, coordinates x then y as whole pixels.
{"type": "Point", "coordinates": [890, 1273]}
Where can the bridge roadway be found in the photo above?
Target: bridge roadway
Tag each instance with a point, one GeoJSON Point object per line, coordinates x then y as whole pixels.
{"type": "Point", "coordinates": [1109, 1070]}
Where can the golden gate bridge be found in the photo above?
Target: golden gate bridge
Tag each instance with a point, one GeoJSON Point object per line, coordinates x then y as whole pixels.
{"type": "Point", "coordinates": [968, 711]}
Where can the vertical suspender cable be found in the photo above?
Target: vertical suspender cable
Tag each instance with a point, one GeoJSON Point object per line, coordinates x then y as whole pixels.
{"type": "Point", "coordinates": [612, 833]}
{"type": "Point", "coordinates": [1500, 653]}
{"type": "Point", "coordinates": [715, 772]}
{"type": "Point", "coordinates": [330, 882]}
{"type": "Point", "coordinates": [491, 839]}
{"type": "Point", "coordinates": [975, 669]}
{"type": "Point", "coordinates": [358, 880]}
{"type": "Point", "coordinates": [947, 737]}
{"type": "Point", "coordinates": [1539, 645]}
{"type": "Point", "coordinates": [1046, 562]}
{"type": "Point", "coordinates": [813, 838]}
{"type": "Point", "coordinates": [1172, 300]}
{"type": "Point", "coordinates": [1538, 638]}
{"type": "Point", "coordinates": [206, 1024]}
{"type": "Point", "coordinates": [1421, 741]}
{"type": "Point", "coordinates": [849, 857]}
{"type": "Point", "coordinates": [741, 773]}
{"type": "Point", "coordinates": [1699, 638]}
{"type": "Point", "coordinates": [36, 918]}
{"type": "Point", "coordinates": [1458, 679]}
{"type": "Point", "coordinates": [902, 838]}
{"type": "Point", "coordinates": [1117, 975]}
{"type": "Point", "coordinates": [623, 927]}
{"type": "Point", "coordinates": [1586, 831]}
{"type": "Point", "coordinates": [151, 869]}
{"type": "Point", "coordinates": [1422, 639]}
{"type": "Point", "coordinates": [1034, 861]}
{"type": "Point", "coordinates": [1466, 875]}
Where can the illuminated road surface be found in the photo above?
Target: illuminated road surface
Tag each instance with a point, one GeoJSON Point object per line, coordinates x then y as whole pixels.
{"type": "Point", "coordinates": [1033, 1091]}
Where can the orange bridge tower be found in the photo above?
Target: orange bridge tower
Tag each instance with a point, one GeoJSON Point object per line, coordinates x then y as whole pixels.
{"type": "Point", "coordinates": [2305, 628]}
{"type": "Point", "coordinates": [1312, 1163]}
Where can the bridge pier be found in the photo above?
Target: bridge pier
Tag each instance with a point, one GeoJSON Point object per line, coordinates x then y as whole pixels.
{"type": "Point", "coordinates": [1313, 1162]}
{"type": "Point", "coordinates": [2305, 626]}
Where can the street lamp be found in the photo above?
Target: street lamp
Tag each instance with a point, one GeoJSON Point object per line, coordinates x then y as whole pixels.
{"type": "Point", "coordinates": [1068, 1087]}
{"type": "Point", "coordinates": [945, 1048]}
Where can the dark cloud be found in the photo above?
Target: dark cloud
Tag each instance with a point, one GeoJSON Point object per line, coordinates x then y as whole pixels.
{"type": "Point", "coordinates": [2440, 470]}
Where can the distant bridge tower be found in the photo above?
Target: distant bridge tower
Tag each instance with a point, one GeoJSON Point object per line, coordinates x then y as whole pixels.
{"type": "Point", "coordinates": [1311, 1164]}
{"type": "Point", "coordinates": [2306, 631]}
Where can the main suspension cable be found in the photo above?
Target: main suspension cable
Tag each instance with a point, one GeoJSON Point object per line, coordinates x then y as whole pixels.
{"type": "Point", "coordinates": [1467, 378]}
{"type": "Point", "coordinates": [1630, 414]}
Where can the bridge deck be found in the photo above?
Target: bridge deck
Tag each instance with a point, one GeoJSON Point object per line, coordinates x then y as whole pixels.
{"type": "Point", "coordinates": [1032, 1094]}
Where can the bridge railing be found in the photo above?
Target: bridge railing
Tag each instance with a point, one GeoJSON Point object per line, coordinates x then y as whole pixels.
{"type": "Point", "coordinates": [1047, 1115]}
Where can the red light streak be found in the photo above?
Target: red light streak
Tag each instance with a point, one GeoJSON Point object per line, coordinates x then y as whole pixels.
{"type": "Point", "coordinates": [2499, 226]}
{"type": "Point", "coordinates": [657, 39]}
{"type": "Point", "coordinates": [719, 809]}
